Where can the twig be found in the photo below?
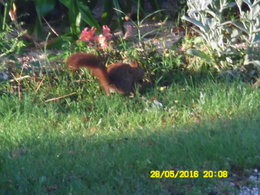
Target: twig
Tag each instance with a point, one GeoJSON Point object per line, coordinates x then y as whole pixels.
{"type": "Point", "coordinates": [57, 98]}
{"type": "Point", "coordinates": [19, 91]}
{"type": "Point", "coordinates": [50, 27]}
{"type": "Point", "coordinates": [39, 85]}
{"type": "Point", "coordinates": [19, 78]}
{"type": "Point", "coordinates": [18, 87]}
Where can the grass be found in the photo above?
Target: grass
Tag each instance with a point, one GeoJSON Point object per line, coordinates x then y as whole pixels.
{"type": "Point", "coordinates": [92, 144]}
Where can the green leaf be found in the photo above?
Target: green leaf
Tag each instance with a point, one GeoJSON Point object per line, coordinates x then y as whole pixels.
{"type": "Point", "coordinates": [197, 23]}
{"type": "Point", "coordinates": [67, 3]}
{"type": "Point", "coordinates": [240, 26]}
{"type": "Point", "coordinates": [78, 19]}
{"type": "Point", "coordinates": [117, 6]}
{"type": "Point", "coordinates": [87, 15]}
{"type": "Point", "coordinates": [198, 53]}
{"type": "Point", "coordinates": [149, 15]}
{"type": "Point", "coordinates": [43, 7]}
{"type": "Point", "coordinates": [230, 5]}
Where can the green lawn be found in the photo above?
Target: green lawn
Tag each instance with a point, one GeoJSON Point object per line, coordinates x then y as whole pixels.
{"type": "Point", "coordinates": [89, 143]}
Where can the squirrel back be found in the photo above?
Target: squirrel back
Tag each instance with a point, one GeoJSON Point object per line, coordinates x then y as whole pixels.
{"type": "Point", "coordinates": [123, 76]}
{"type": "Point", "coordinates": [119, 77]}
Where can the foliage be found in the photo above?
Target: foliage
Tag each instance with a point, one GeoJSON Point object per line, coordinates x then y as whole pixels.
{"type": "Point", "coordinates": [78, 13]}
{"type": "Point", "coordinates": [249, 24]}
{"type": "Point", "coordinates": [4, 16]}
{"type": "Point", "coordinates": [10, 42]}
{"type": "Point", "coordinates": [249, 21]}
{"type": "Point", "coordinates": [218, 31]}
{"type": "Point", "coordinates": [139, 22]}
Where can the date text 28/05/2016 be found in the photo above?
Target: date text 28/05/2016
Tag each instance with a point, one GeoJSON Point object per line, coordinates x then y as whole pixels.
{"type": "Point", "coordinates": [188, 174]}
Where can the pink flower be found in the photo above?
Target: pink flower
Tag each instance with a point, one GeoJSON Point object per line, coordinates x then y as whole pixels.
{"type": "Point", "coordinates": [106, 32]}
{"type": "Point", "coordinates": [129, 31]}
{"type": "Point", "coordinates": [102, 42]}
{"type": "Point", "coordinates": [93, 39]}
{"type": "Point", "coordinates": [88, 35]}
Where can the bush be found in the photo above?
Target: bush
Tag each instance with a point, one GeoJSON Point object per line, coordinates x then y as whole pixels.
{"type": "Point", "coordinates": [221, 33]}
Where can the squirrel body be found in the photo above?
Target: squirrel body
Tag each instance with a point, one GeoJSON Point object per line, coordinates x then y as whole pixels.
{"type": "Point", "coordinates": [119, 77]}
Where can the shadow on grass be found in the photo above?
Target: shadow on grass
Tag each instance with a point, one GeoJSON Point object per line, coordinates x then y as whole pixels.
{"type": "Point", "coordinates": [78, 163]}
{"type": "Point", "coordinates": [175, 76]}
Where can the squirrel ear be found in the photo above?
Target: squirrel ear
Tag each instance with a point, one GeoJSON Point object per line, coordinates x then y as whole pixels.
{"type": "Point", "coordinates": [134, 64]}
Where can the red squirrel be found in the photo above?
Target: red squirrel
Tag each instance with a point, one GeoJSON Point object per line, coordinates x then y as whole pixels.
{"type": "Point", "coordinates": [118, 77]}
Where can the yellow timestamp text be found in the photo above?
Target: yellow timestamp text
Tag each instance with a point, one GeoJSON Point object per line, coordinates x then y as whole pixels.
{"type": "Point", "coordinates": [188, 174]}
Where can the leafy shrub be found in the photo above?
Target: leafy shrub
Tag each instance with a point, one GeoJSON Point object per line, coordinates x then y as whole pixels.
{"type": "Point", "coordinates": [222, 34]}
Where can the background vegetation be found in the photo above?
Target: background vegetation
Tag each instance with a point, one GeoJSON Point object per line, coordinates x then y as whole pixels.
{"type": "Point", "coordinates": [77, 14]}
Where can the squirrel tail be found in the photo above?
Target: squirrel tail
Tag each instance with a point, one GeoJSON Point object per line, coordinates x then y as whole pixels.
{"type": "Point", "coordinates": [94, 64]}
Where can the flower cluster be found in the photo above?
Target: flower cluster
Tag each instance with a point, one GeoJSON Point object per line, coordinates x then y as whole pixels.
{"type": "Point", "coordinates": [89, 35]}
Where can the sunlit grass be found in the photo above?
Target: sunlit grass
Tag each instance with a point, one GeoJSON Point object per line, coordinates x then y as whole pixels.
{"type": "Point", "coordinates": [91, 143]}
